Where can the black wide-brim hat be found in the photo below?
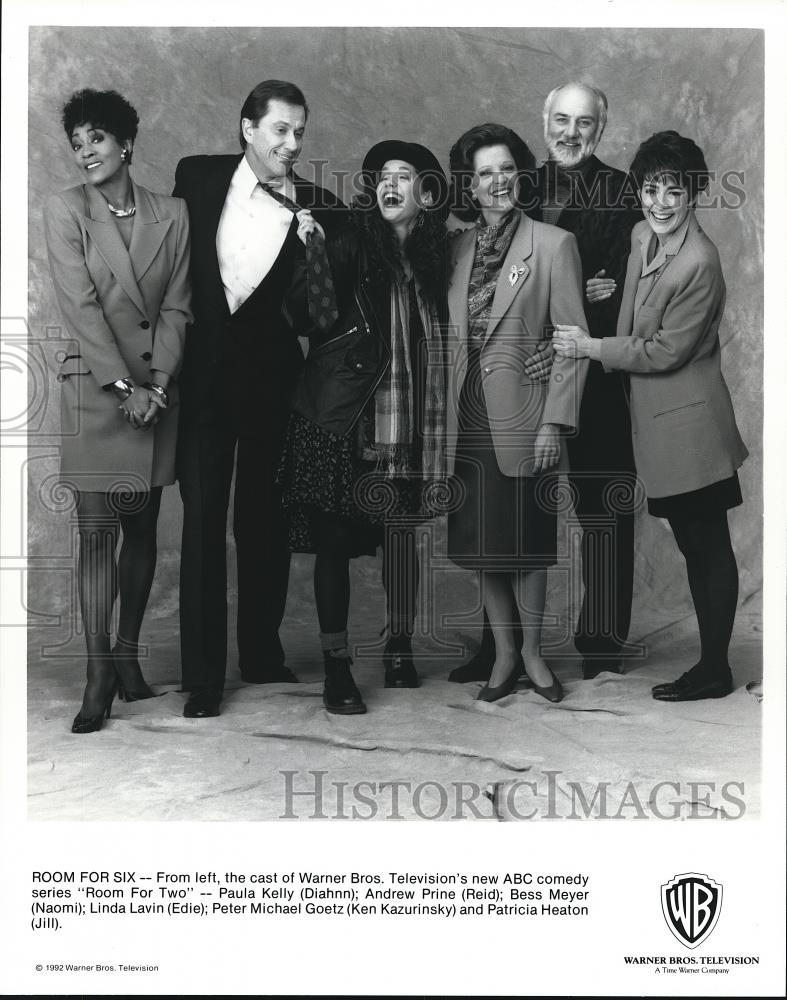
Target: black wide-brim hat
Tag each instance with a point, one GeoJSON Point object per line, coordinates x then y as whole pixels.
{"type": "Point", "coordinates": [426, 164]}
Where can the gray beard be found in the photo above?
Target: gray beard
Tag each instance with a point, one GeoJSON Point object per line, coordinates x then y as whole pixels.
{"type": "Point", "coordinates": [556, 155]}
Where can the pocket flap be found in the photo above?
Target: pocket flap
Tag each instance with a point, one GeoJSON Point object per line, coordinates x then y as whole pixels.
{"type": "Point", "coordinates": [72, 364]}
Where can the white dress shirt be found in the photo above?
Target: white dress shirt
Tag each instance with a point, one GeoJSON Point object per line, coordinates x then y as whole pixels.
{"type": "Point", "coordinates": [251, 233]}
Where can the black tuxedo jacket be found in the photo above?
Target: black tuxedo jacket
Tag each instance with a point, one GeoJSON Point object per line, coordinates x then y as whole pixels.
{"type": "Point", "coordinates": [203, 182]}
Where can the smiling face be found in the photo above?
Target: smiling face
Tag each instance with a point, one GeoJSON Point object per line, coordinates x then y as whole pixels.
{"type": "Point", "coordinates": [665, 204]}
{"type": "Point", "coordinates": [571, 131]}
{"type": "Point", "coordinates": [98, 154]}
{"type": "Point", "coordinates": [399, 194]}
{"type": "Point", "coordinates": [274, 143]}
{"type": "Point", "coordinates": [495, 179]}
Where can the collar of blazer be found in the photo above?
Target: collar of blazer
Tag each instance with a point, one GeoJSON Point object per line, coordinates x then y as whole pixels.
{"type": "Point", "coordinates": [640, 236]}
{"type": "Point", "coordinates": [506, 291]}
{"type": "Point", "coordinates": [667, 253]}
{"type": "Point", "coordinates": [149, 232]}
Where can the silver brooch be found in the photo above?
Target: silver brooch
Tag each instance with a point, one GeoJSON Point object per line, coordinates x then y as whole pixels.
{"type": "Point", "coordinates": [513, 277]}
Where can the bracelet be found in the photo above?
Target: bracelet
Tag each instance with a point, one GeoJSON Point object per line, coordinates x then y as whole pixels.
{"type": "Point", "coordinates": [122, 388]}
{"type": "Point", "coordinates": [160, 391]}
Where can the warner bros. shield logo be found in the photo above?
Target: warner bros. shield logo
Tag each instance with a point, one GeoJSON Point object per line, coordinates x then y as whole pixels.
{"type": "Point", "coordinates": [691, 905]}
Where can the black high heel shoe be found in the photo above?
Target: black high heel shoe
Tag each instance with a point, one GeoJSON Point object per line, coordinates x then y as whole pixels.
{"type": "Point", "coordinates": [488, 693]}
{"type": "Point", "coordinates": [93, 723]}
{"type": "Point", "coordinates": [124, 693]}
{"type": "Point", "coordinates": [552, 692]}
{"type": "Point", "coordinates": [400, 670]}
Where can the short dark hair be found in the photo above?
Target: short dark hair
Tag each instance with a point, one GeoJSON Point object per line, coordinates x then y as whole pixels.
{"type": "Point", "coordinates": [256, 104]}
{"type": "Point", "coordinates": [104, 109]}
{"type": "Point", "coordinates": [463, 205]}
{"type": "Point", "coordinates": [673, 154]}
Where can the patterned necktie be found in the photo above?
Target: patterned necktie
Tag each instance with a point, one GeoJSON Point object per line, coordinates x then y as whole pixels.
{"type": "Point", "coordinates": [321, 293]}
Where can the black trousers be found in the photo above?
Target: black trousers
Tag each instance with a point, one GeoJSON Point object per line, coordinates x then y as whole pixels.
{"type": "Point", "coordinates": [604, 506]}
{"type": "Point", "coordinates": [604, 484]}
{"type": "Point", "coordinates": [210, 447]}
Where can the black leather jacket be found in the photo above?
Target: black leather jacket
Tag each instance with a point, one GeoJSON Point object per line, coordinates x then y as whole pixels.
{"type": "Point", "coordinates": [346, 363]}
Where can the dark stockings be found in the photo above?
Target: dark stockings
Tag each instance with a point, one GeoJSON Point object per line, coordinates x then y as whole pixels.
{"type": "Point", "coordinates": [332, 578]}
{"type": "Point", "coordinates": [100, 518]}
{"type": "Point", "coordinates": [713, 580]}
{"type": "Point", "coordinates": [332, 573]}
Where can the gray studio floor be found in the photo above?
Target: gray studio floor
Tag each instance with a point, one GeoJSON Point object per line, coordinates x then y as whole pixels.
{"type": "Point", "coordinates": [150, 763]}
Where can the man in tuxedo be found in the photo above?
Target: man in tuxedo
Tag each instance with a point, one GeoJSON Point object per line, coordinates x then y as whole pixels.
{"type": "Point", "coordinates": [577, 192]}
{"type": "Point", "coordinates": [239, 369]}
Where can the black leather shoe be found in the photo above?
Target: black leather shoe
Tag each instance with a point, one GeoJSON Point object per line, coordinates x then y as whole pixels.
{"type": "Point", "coordinates": [92, 723]}
{"type": "Point", "coordinates": [274, 675]}
{"type": "Point", "coordinates": [670, 685]}
{"type": "Point", "coordinates": [479, 668]}
{"type": "Point", "coordinates": [553, 692]}
{"type": "Point", "coordinates": [685, 680]}
{"type": "Point", "coordinates": [400, 670]}
{"type": "Point", "coordinates": [340, 695]}
{"type": "Point", "coordinates": [694, 688]}
{"type": "Point", "coordinates": [592, 668]}
{"type": "Point", "coordinates": [202, 705]}
{"type": "Point", "coordinates": [496, 693]}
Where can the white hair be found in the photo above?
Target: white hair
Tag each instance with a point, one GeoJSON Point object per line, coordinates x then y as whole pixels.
{"type": "Point", "coordinates": [599, 95]}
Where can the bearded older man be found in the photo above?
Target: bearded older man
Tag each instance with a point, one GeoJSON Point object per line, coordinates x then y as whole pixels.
{"type": "Point", "coordinates": [575, 191]}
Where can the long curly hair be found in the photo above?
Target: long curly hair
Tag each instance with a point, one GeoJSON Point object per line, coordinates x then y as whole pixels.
{"type": "Point", "coordinates": [425, 250]}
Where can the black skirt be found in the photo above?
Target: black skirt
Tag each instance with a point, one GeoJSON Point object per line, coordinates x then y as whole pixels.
{"type": "Point", "coordinates": [320, 474]}
{"type": "Point", "coordinates": [723, 495]}
{"type": "Point", "coordinates": [501, 524]}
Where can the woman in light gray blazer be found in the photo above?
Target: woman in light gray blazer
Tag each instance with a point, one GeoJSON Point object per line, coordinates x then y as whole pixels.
{"type": "Point", "coordinates": [686, 441]}
{"type": "Point", "coordinates": [511, 278]}
{"type": "Point", "coordinates": [119, 260]}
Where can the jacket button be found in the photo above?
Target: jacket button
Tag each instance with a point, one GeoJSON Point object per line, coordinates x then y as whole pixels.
{"type": "Point", "coordinates": [145, 325]}
{"type": "Point", "coordinates": [487, 371]}
{"type": "Point", "coordinates": [146, 356]}
{"type": "Point", "coordinates": [359, 365]}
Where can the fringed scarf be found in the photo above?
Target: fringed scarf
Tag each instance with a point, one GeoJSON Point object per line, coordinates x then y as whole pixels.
{"type": "Point", "coordinates": [393, 401]}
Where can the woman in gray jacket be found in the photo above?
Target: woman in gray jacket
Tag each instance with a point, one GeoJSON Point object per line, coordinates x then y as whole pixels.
{"type": "Point", "coordinates": [119, 260]}
{"type": "Point", "coordinates": [686, 442]}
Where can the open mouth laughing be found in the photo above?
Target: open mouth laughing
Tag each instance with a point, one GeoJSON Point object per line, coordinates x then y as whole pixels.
{"type": "Point", "coordinates": [392, 200]}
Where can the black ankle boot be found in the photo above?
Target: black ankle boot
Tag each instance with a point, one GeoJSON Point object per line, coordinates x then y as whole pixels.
{"type": "Point", "coordinates": [340, 695]}
{"type": "Point", "coordinates": [400, 670]}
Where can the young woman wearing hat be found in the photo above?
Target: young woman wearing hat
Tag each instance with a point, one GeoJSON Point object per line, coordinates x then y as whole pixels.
{"type": "Point", "coordinates": [365, 452]}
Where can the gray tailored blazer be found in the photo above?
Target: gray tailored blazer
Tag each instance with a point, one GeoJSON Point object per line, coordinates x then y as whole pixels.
{"type": "Point", "coordinates": [539, 285]}
{"type": "Point", "coordinates": [125, 313]}
{"type": "Point", "coordinates": [682, 419]}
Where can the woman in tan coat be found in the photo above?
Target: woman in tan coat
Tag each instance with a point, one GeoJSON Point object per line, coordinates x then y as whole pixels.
{"type": "Point", "coordinates": [511, 278]}
{"type": "Point", "coordinates": [119, 260]}
{"type": "Point", "coordinates": [686, 442]}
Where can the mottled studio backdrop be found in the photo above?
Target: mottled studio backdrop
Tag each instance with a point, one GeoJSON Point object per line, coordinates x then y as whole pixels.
{"type": "Point", "coordinates": [426, 85]}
